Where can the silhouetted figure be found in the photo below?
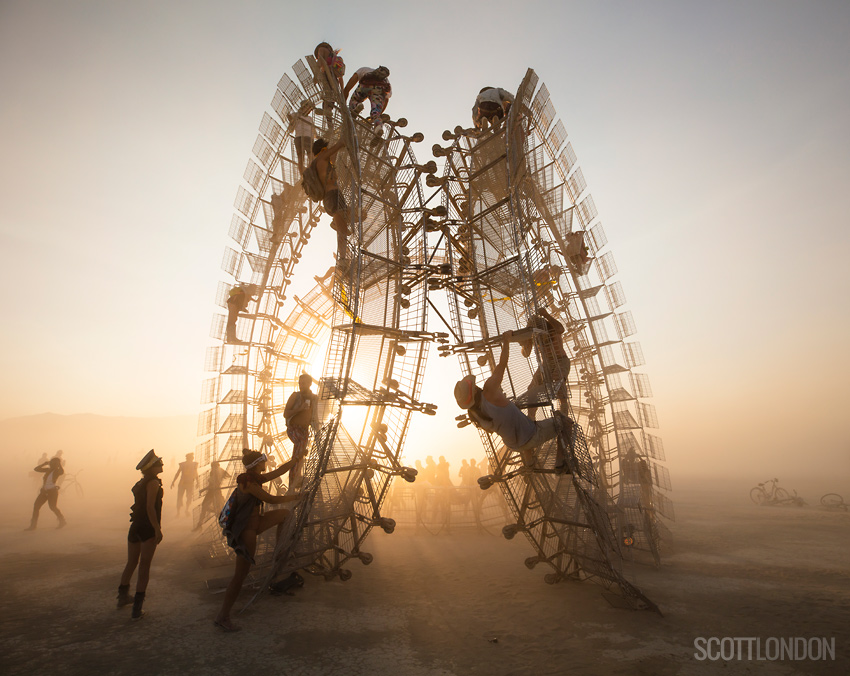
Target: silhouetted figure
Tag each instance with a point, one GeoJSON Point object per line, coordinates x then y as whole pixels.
{"type": "Point", "coordinates": [237, 301]}
{"type": "Point", "coordinates": [145, 532]}
{"type": "Point", "coordinates": [443, 472]}
{"type": "Point", "coordinates": [429, 473]}
{"type": "Point", "coordinates": [213, 499]}
{"type": "Point", "coordinates": [187, 473]}
{"type": "Point", "coordinates": [49, 492]}
{"type": "Point", "coordinates": [247, 521]}
{"type": "Point", "coordinates": [298, 414]}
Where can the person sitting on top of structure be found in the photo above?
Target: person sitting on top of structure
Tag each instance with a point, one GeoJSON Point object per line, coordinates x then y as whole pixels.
{"type": "Point", "coordinates": [372, 85]}
{"type": "Point", "coordinates": [332, 198]}
{"type": "Point", "coordinates": [326, 54]}
{"type": "Point", "coordinates": [553, 356]}
{"type": "Point", "coordinates": [491, 103]}
{"type": "Point", "coordinates": [237, 300]}
{"type": "Point", "coordinates": [492, 411]}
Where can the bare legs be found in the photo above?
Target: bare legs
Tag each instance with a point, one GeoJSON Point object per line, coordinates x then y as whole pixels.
{"type": "Point", "coordinates": [139, 554]}
{"type": "Point", "coordinates": [243, 566]}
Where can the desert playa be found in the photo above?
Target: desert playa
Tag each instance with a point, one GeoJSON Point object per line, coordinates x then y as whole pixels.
{"type": "Point", "coordinates": [459, 603]}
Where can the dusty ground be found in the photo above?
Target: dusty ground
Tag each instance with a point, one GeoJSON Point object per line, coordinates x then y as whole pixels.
{"type": "Point", "coordinates": [450, 604]}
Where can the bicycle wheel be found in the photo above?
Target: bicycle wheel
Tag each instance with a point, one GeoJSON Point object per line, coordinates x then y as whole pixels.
{"type": "Point", "coordinates": [832, 500]}
{"type": "Point", "coordinates": [758, 496]}
{"type": "Point", "coordinates": [781, 495]}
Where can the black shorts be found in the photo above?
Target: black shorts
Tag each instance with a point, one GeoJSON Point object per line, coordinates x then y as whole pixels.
{"type": "Point", "coordinates": [140, 532]}
{"type": "Point", "coordinates": [334, 202]}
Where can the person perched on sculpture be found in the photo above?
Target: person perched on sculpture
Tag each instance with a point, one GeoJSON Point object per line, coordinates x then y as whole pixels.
{"type": "Point", "coordinates": [237, 301]}
{"type": "Point", "coordinates": [375, 86]}
{"type": "Point", "coordinates": [298, 414]}
{"type": "Point", "coordinates": [333, 201]}
{"type": "Point", "coordinates": [491, 105]}
{"type": "Point", "coordinates": [489, 409]}
{"type": "Point", "coordinates": [554, 361]}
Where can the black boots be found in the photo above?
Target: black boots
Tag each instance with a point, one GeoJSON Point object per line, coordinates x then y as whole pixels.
{"type": "Point", "coordinates": [138, 600]}
{"type": "Point", "coordinates": [124, 598]}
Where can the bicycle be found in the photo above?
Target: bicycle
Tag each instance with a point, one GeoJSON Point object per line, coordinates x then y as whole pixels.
{"type": "Point", "coordinates": [69, 481]}
{"type": "Point", "coordinates": [769, 493]}
{"type": "Point", "coordinates": [834, 501]}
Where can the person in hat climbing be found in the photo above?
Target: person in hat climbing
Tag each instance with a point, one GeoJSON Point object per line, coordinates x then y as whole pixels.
{"type": "Point", "coordinates": [145, 532]}
{"type": "Point", "coordinates": [489, 409]}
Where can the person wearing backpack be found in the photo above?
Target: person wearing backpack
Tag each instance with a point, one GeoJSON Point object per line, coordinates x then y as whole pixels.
{"type": "Point", "coordinates": [244, 520]}
{"type": "Point", "coordinates": [319, 182]}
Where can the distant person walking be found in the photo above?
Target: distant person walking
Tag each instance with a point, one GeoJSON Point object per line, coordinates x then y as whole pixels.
{"type": "Point", "coordinates": [145, 532]}
{"type": "Point", "coordinates": [49, 492]}
{"type": "Point", "coordinates": [187, 472]}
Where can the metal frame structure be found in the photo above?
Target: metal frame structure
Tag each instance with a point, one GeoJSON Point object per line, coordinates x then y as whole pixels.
{"type": "Point", "coordinates": [502, 244]}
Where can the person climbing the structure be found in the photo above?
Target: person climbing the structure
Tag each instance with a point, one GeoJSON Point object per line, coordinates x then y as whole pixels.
{"type": "Point", "coordinates": [375, 86]}
{"type": "Point", "coordinates": [554, 359]}
{"type": "Point", "coordinates": [491, 105]}
{"type": "Point", "coordinates": [187, 473]}
{"type": "Point", "coordinates": [237, 301]}
{"type": "Point", "coordinates": [247, 521]}
{"type": "Point", "coordinates": [333, 200]}
{"type": "Point", "coordinates": [326, 54]}
{"type": "Point", "coordinates": [298, 414]}
{"type": "Point", "coordinates": [492, 411]}
{"type": "Point", "coordinates": [49, 491]}
{"type": "Point", "coordinates": [303, 132]}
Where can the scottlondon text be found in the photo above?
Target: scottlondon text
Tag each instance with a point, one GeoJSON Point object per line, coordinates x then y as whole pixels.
{"type": "Point", "coordinates": [764, 649]}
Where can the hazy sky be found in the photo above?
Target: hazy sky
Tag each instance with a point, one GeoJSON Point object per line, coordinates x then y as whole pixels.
{"type": "Point", "coordinates": [713, 136]}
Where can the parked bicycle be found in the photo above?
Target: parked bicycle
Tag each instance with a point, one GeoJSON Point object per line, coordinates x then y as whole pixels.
{"type": "Point", "coordinates": [769, 493]}
{"type": "Point", "coordinates": [834, 501]}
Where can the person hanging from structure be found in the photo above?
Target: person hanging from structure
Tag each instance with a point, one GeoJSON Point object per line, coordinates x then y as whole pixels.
{"type": "Point", "coordinates": [237, 301]}
{"type": "Point", "coordinates": [187, 473]}
{"type": "Point", "coordinates": [577, 252]}
{"type": "Point", "coordinates": [554, 360]}
{"type": "Point", "coordinates": [489, 409]}
{"type": "Point", "coordinates": [49, 491]}
{"type": "Point", "coordinates": [246, 520]}
{"type": "Point", "coordinates": [319, 182]}
{"type": "Point", "coordinates": [491, 105]}
{"type": "Point", "coordinates": [326, 54]}
{"type": "Point", "coordinates": [145, 532]}
{"type": "Point", "coordinates": [303, 132]}
{"type": "Point", "coordinates": [375, 86]}
{"type": "Point", "coordinates": [298, 414]}
{"type": "Point", "coordinates": [213, 499]}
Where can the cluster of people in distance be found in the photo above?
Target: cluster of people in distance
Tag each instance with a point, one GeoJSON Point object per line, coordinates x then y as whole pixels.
{"type": "Point", "coordinates": [242, 517]}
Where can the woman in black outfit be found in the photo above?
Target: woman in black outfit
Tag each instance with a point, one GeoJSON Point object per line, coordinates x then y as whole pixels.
{"type": "Point", "coordinates": [145, 532]}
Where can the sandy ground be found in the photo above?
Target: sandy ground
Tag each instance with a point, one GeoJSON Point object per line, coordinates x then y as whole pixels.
{"type": "Point", "coordinates": [435, 605]}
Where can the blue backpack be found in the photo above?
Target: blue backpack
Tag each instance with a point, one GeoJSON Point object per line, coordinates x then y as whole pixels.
{"type": "Point", "coordinates": [225, 518]}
